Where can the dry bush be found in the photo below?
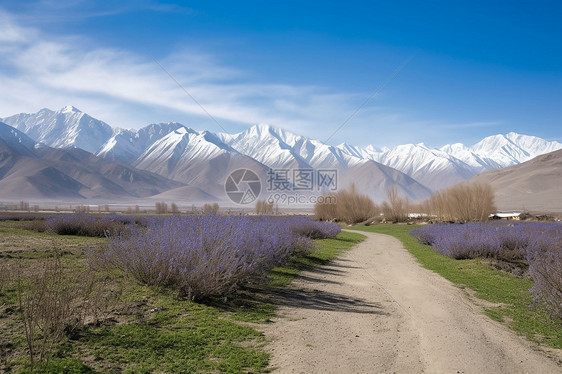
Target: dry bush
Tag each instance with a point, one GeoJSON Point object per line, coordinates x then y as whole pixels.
{"type": "Point", "coordinates": [263, 207]}
{"type": "Point", "coordinates": [396, 209]}
{"type": "Point", "coordinates": [24, 205]}
{"type": "Point", "coordinates": [6, 275]}
{"type": "Point", "coordinates": [326, 210]}
{"type": "Point", "coordinates": [462, 203]}
{"type": "Point", "coordinates": [53, 302]}
{"type": "Point", "coordinates": [161, 207]}
{"type": "Point", "coordinates": [82, 209]}
{"type": "Point", "coordinates": [348, 206]}
{"type": "Point", "coordinates": [211, 208]}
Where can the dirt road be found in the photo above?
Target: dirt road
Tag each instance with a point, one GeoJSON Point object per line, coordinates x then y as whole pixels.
{"type": "Point", "coordinates": [376, 310]}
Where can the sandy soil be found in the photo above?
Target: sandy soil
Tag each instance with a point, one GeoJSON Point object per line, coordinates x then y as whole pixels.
{"type": "Point", "coordinates": [376, 310]}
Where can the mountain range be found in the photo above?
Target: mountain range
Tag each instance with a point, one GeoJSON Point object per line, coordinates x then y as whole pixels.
{"type": "Point", "coordinates": [33, 170]}
{"type": "Point", "coordinates": [186, 164]}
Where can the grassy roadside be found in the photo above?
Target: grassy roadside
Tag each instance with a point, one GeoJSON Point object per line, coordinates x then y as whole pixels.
{"type": "Point", "coordinates": [327, 249]}
{"type": "Point", "coordinates": [512, 302]}
{"type": "Point", "coordinates": [146, 329]}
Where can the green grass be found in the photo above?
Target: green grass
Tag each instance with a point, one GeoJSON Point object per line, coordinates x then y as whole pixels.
{"type": "Point", "coordinates": [179, 337]}
{"type": "Point", "coordinates": [515, 306]}
{"type": "Point", "coordinates": [326, 250]}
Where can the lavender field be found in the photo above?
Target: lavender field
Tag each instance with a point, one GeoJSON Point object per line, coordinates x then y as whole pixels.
{"type": "Point", "coordinates": [208, 255]}
{"type": "Point", "coordinates": [537, 245]}
{"type": "Point", "coordinates": [143, 293]}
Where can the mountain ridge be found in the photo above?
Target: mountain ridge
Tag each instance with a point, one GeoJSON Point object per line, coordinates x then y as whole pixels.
{"type": "Point", "coordinates": [534, 185]}
{"type": "Point", "coordinates": [31, 170]}
{"type": "Point", "coordinates": [194, 158]}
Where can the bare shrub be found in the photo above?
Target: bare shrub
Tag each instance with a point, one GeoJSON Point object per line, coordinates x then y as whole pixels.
{"type": "Point", "coordinates": [326, 210]}
{"type": "Point", "coordinates": [161, 207]}
{"type": "Point", "coordinates": [462, 203]}
{"type": "Point", "coordinates": [82, 209]}
{"type": "Point", "coordinates": [6, 275]}
{"type": "Point", "coordinates": [211, 208]}
{"type": "Point", "coordinates": [347, 205]}
{"type": "Point", "coordinates": [52, 303]}
{"type": "Point", "coordinates": [175, 209]}
{"type": "Point", "coordinates": [24, 205]}
{"type": "Point", "coordinates": [84, 225]}
{"type": "Point", "coordinates": [396, 209]}
{"type": "Point", "coordinates": [263, 207]}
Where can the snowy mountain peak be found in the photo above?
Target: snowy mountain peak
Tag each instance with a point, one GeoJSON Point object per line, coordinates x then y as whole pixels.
{"type": "Point", "coordinates": [257, 131]}
{"type": "Point", "coordinates": [452, 148]}
{"type": "Point", "coordinates": [70, 109]}
{"type": "Point", "coordinates": [68, 127]}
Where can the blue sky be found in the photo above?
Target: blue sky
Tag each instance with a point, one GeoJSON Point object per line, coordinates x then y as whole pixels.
{"type": "Point", "coordinates": [474, 68]}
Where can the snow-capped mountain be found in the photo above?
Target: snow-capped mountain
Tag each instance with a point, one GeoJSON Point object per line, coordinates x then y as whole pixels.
{"type": "Point", "coordinates": [431, 167]}
{"type": "Point", "coordinates": [65, 128]}
{"type": "Point", "coordinates": [440, 168]}
{"type": "Point", "coordinates": [202, 160]}
{"type": "Point", "coordinates": [128, 145]}
{"type": "Point", "coordinates": [29, 170]}
{"type": "Point", "coordinates": [512, 149]}
{"type": "Point", "coordinates": [198, 158]}
{"type": "Point", "coordinates": [281, 149]}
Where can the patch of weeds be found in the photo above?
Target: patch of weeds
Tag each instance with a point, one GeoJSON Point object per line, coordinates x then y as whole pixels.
{"type": "Point", "coordinates": [66, 366]}
{"type": "Point", "coordinates": [179, 337]}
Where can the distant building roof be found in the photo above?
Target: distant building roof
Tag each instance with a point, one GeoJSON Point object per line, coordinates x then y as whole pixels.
{"type": "Point", "coordinates": [506, 215]}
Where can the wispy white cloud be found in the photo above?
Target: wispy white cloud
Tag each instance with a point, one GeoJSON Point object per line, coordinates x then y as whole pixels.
{"type": "Point", "coordinates": [130, 90]}
{"type": "Point", "coordinates": [51, 11]}
{"type": "Point", "coordinates": [45, 71]}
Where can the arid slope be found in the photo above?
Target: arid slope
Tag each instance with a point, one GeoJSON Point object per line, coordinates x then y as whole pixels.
{"type": "Point", "coordinates": [535, 185]}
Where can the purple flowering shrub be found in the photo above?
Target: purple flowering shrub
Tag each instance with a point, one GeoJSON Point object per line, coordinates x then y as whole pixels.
{"type": "Point", "coordinates": [314, 229]}
{"type": "Point", "coordinates": [537, 243]}
{"type": "Point", "coordinates": [471, 240]}
{"type": "Point", "coordinates": [204, 255]}
{"type": "Point", "coordinates": [545, 264]}
{"type": "Point", "coordinates": [120, 218]}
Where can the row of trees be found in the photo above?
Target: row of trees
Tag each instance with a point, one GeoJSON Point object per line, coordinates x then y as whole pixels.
{"type": "Point", "coordinates": [461, 203]}
{"type": "Point", "coordinates": [465, 202]}
{"type": "Point", "coordinates": [347, 206]}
